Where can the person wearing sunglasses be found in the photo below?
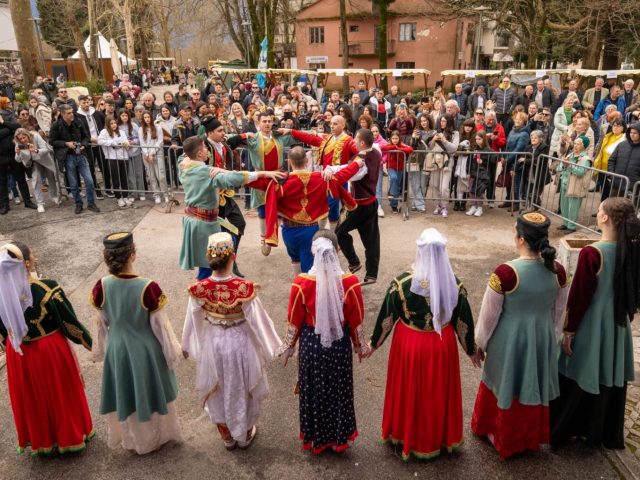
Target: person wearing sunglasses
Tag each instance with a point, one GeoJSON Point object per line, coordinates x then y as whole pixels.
{"type": "Point", "coordinates": [64, 99]}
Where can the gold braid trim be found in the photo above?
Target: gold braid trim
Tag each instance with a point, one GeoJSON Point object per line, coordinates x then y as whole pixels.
{"type": "Point", "coordinates": [495, 284]}
{"type": "Point", "coordinates": [77, 333]}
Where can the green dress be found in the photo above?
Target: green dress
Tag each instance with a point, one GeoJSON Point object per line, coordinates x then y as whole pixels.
{"type": "Point", "coordinates": [570, 206]}
{"type": "Point", "coordinates": [522, 352]}
{"type": "Point", "coordinates": [136, 377]}
{"type": "Point", "coordinates": [201, 191]}
{"type": "Point", "coordinates": [602, 349]}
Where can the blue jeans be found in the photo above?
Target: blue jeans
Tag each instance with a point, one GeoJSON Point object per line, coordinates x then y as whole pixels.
{"type": "Point", "coordinates": [396, 177]}
{"type": "Point", "coordinates": [298, 242]}
{"type": "Point", "coordinates": [73, 164]}
{"type": "Point", "coordinates": [379, 188]}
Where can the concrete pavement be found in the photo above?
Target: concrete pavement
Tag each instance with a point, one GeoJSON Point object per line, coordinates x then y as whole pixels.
{"type": "Point", "coordinates": [69, 251]}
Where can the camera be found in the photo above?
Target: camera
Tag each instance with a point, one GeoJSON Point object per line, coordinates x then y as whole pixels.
{"type": "Point", "coordinates": [78, 149]}
{"type": "Point", "coordinates": [287, 116]}
{"type": "Point", "coordinates": [23, 146]}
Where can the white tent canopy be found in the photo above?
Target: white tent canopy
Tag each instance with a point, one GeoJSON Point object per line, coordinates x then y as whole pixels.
{"type": "Point", "coordinates": [104, 50]}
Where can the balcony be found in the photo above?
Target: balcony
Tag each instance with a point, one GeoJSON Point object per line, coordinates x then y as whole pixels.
{"type": "Point", "coordinates": [368, 48]}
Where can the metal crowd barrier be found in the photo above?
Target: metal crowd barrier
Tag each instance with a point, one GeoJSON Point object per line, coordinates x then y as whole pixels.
{"type": "Point", "coordinates": [568, 196]}
{"type": "Point", "coordinates": [635, 197]}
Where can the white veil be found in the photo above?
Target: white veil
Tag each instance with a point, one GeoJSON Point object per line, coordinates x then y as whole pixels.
{"type": "Point", "coordinates": [15, 297]}
{"type": "Point", "coordinates": [433, 277]}
{"type": "Point", "coordinates": [329, 291]}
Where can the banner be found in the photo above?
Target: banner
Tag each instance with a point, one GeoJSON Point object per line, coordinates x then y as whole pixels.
{"type": "Point", "coordinates": [262, 62]}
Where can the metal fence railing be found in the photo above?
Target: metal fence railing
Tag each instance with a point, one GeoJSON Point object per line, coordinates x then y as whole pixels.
{"type": "Point", "coordinates": [635, 197]}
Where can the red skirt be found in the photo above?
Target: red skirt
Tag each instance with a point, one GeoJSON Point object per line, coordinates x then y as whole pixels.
{"type": "Point", "coordinates": [515, 430]}
{"type": "Point", "coordinates": [49, 406]}
{"type": "Point", "coordinates": [423, 397]}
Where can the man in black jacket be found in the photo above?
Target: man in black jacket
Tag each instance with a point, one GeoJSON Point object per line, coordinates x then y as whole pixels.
{"type": "Point", "coordinates": [70, 141]}
{"type": "Point", "coordinates": [625, 160]}
{"type": "Point", "coordinates": [8, 165]}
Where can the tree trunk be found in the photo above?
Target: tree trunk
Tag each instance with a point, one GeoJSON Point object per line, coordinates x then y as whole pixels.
{"type": "Point", "coordinates": [26, 40]}
{"type": "Point", "coordinates": [382, 40]}
{"type": "Point", "coordinates": [344, 38]}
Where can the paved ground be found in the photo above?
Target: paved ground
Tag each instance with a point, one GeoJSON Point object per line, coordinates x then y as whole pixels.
{"type": "Point", "coordinates": [69, 251]}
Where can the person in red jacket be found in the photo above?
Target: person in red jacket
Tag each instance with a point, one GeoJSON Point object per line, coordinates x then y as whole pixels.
{"type": "Point", "coordinates": [335, 149]}
{"type": "Point", "coordinates": [399, 152]}
{"type": "Point", "coordinates": [497, 140]}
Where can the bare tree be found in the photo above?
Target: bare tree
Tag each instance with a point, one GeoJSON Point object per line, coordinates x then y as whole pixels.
{"type": "Point", "coordinates": [25, 38]}
{"type": "Point", "coordinates": [123, 9]}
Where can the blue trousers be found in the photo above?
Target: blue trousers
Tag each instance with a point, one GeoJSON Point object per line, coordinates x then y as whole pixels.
{"type": "Point", "coordinates": [298, 242]}
{"type": "Point", "coordinates": [75, 164]}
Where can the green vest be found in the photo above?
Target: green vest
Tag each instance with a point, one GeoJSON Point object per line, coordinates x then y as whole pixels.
{"type": "Point", "coordinates": [602, 349]}
{"type": "Point", "coordinates": [522, 352]}
{"type": "Point", "coordinates": [136, 377]}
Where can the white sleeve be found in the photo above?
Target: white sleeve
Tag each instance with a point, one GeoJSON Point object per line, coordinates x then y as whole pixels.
{"type": "Point", "coordinates": [190, 338]}
{"type": "Point", "coordinates": [253, 176]}
{"type": "Point", "coordinates": [490, 312]}
{"type": "Point", "coordinates": [265, 337]}
{"type": "Point", "coordinates": [360, 174]}
{"type": "Point", "coordinates": [165, 335]}
{"type": "Point", "coordinates": [102, 323]}
{"type": "Point", "coordinates": [559, 308]}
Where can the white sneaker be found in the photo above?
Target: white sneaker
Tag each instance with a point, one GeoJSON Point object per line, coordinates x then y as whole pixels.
{"type": "Point", "coordinates": [166, 199]}
{"type": "Point", "coordinates": [478, 212]}
{"type": "Point", "coordinates": [142, 198]}
{"type": "Point", "coordinates": [445, 213]}
{"type": "Point", "coordinates": [437, 211]}
{"type": "Point", "coordinates": [380, 212]}
{"type": "Point", "coordinates": [157, 200]}
{"type": "Point", "coordinates": [121, 203]}
{"type": "Point", "coordinates": [83, 193]}
{"type": "Point", "coordinates": [40, 208]}
{"type": "Point", "coordinates": [128, 201]}
{"type": "Point", "coordinates": [472, 210]}
{"type": "Point", "coordinates": [56, 200]}
{"type": "Point", "coordinates": [17, 200]}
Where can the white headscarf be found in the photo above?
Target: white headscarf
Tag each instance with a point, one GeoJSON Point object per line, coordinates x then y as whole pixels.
{"type": "Point", "coordinates": [329, 291]}
{"type": "Point", "coordinates": [433, 277]}
{"type": "Point", "coordinates": [15, 296]}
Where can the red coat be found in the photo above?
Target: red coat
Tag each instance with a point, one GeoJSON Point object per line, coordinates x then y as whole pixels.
{"type": "Point", "coordinates": [333, 152]}
{"type": "Point", "coordinates": [498, 143]}
{"type": "Point", "coordinates": [395, 159]}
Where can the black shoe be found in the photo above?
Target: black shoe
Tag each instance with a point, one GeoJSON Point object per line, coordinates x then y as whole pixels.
{"type": "Point", "coordinates": [99, 195]}
{"type": "Point", "coordinates": [4, 209]}
{"type": "Point", "coordinates": [78, 209]}
{"type": "Point", "coordinates": [236, 271]}
{"type": "Point", "coordinates": [109, 194]}
{"type": "Point", "coordinates": [368, 280]}
{"type": "Point", "coordinates": [30, 204]}
{"type": "Point", "coordinates": [395, 210]}
{"type": "Point", "coordinates": [504, 205]}
{"type": "Point", "coordinates": [93, 208]}
{"type": "Point", "coordinates": [355, 268]}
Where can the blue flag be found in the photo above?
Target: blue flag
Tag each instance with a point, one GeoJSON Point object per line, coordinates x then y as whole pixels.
{"type": "Point", "coordinates": [262, 62]}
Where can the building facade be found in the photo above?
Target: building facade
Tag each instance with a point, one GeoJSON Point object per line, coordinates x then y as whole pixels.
{"type": "Point", "coordinates": [413, 40]}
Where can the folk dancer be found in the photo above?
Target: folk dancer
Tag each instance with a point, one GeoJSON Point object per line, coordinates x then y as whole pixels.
{"type": "Point", "coordinates": [300, 202]}
{"type": "Point", "coordinates": [520, 375]}
{"type": "Point", "coordinates": [231, 337]}
{"type": "Point", "coordinates": [221, 156]}
{"type": "Point", "coordinates": [423, 396]}
{"type": "Point", "coordinates": [139, 388]}
{"type": "Point", "coordinates": [334, 149]}
{"type": "Point", "coordinates": [46, 388]}
{"type": "Point", "coordinates": [265, 153]}
{"type": "Point", "coordinates": [201, 195]}
{"type": "Point", "coordinates": [326, 313]}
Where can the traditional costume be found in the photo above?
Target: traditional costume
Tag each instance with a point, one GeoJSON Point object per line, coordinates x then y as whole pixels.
{"type": "Point", "coordinates": [231, 337]}
{"type": "Point", "coordinates": [139, 386]}
{"type": "Point", "coordinates": [202, 199]}
{"type": "Point", "coordinates": [423, 396]}
{"type": "Point", "coordinates": [364, 218]}
{"type": "Point", "coordinates": [300, 203]}
{"type": "Point", "coordinates": [326, 313]}
{"type": "Point", "coordinates": [46, 388]}
{"type": "Point", "coordinates": [333, 151]}
{"type": "Point", "coordinates": [519, 323]}
{"type": "Point", "coordinates": [593, 380]}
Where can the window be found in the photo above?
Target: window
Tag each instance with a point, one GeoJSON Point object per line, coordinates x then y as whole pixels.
{"type": "Point", "coordinates": [315, 66]}
{"type": "Point", "coordinates": [354, 28]}
{"type": "Point", "coordinates": [407, 32]}
{"type": "Point", "coordinates": [502, 40]}
{"type": "Point", "coordinates": [316, 34]}
{"type": "Point", "coordinates": [401, 65]}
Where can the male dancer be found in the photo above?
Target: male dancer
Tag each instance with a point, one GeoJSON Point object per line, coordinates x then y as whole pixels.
{"type": "Point", "coordinates": [201, 196]}
{"type": "Point", "coordinates": [365, 217]}
{"type": "Point", "coordinates": [300, 202]}
{"type": "Point", "coordinates": [221, 156]}
{"type": "Point", "coordinates": [265, 153]}
{"type": "Point", "coordinates": [335, 149]}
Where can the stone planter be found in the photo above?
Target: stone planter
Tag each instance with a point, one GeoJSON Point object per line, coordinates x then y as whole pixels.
{"type": "Point", "coordinates": [570, 250]}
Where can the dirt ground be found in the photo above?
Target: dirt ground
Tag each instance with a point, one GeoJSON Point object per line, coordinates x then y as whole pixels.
{"type": "Point", "coordinates": [68, 248]}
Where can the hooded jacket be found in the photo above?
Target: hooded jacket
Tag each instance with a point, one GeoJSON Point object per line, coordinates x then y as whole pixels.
{"type": "Point", "coordinates": [625, 160]}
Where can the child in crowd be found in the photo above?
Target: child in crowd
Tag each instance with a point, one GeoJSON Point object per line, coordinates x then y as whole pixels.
{"type": "Point", "coordinates": [395, 161]}
{"type": "Point", "coordinates": [478, 173]}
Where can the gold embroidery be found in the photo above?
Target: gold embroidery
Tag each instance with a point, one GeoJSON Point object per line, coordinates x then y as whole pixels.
{"type": "Point", "coordinates": [534, 217]}
{"type": "Point", "coordinates": [495, 284]}
{"type": "Point", "coordinates": [462, 329]}
{"type": "Point", "coordinates": [387, 324]}
{"type": "Point", "coordinates": [43, 309]}
{"type": "Point", "coordinates": [77, 333]}
{"type": "Point", "coordinates": [408, 314]}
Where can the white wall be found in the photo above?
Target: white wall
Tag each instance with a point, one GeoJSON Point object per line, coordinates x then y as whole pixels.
{"type": "Point", "coordinates": [7, 35]}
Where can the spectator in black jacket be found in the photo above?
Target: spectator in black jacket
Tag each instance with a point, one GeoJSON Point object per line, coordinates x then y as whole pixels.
{"type": "Point", "coordinates": [526, 98]}
{"type": "Point", "coordinates": [70, 142]}
{"type": "Point", "coordinates": [625, 160]}
{"type": "Point", "coordinates": [461, 99]}
{"type": "Point", "coordinates": [64, 99]}
{"type": "Point", "coordinates": [543, 96]}
{"type": "Point", "coordinates": [8, 165]}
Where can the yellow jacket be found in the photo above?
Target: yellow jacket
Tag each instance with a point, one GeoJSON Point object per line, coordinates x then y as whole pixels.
{"type": "Point", "coordinates": [602, 160]}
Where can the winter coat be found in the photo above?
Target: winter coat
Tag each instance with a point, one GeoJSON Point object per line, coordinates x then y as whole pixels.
{"type": "Point", "coordinates": [625, 160]}
{"type": "Point", "coordinates": [504, 99]}
{"type": "Point", "coordinates": [561, 126]}
{"type": "Point", "coordinates": [517, 141]}
{"type": "Point", "coordinates": [42, 156]}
